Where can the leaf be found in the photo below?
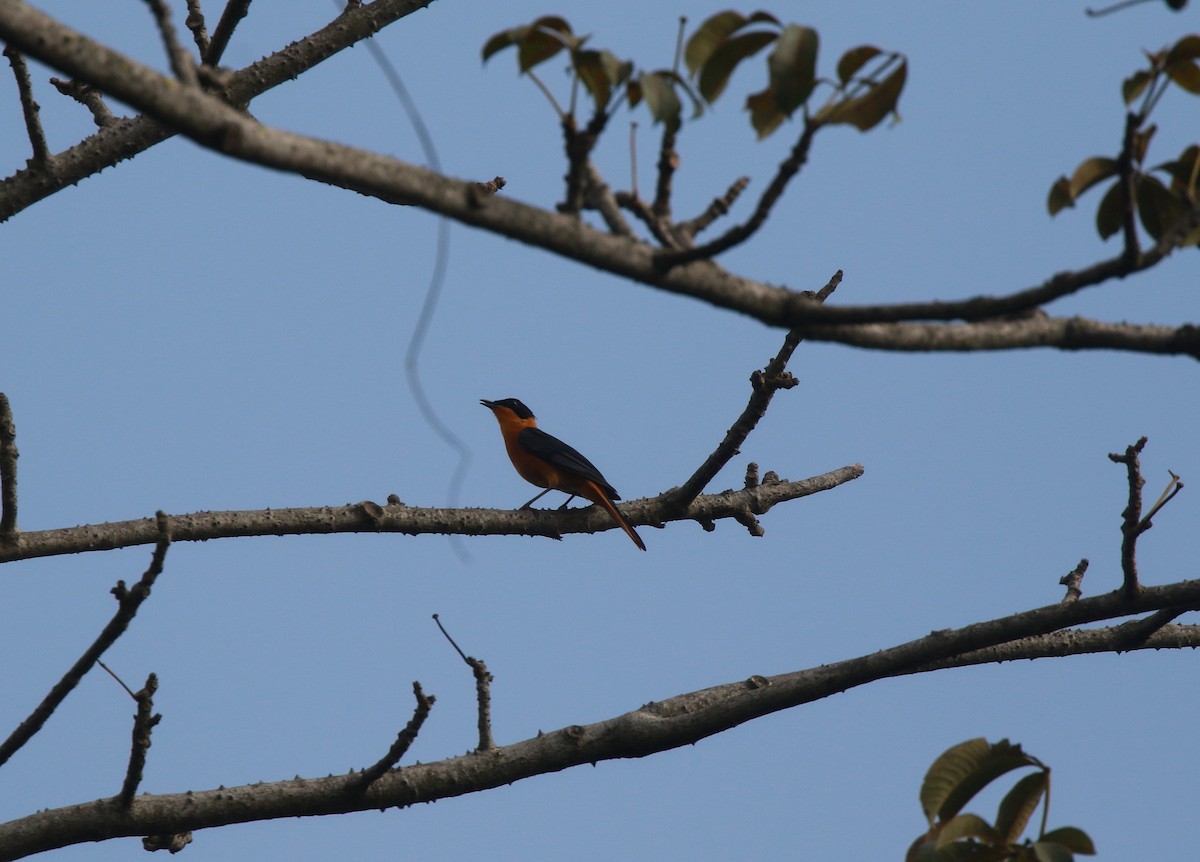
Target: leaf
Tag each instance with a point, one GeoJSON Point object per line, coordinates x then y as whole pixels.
{"type": "Point", "coordinates": [1180, 63]}
{"type": "Point", "coordinates": [1043, 852]}
{"type": "Point", "coordinates": [1060, 196]}
{"type": "Point", "coordinates": [544, 38]}
{"type": "Point", "coordinates": [1184, 171]}
{"type": "Point", "coordinates": [963, 770]}
{"type": "Point", "coordinates": [1075, 840]}
{"type": "Point", "coordinates": [1158, 207]}
{"type": "Point", "coordinates": [710, 36]}
{"type": "Point", "coordinates": [966, 826]}
{"type": "Point", "coordinates": [500, 41]}
{"type": "Point", "coordinates": [659, 93]}
{"type": "Point", "coordinates": [793, 67]}
{"type": "Point", "coordinates": [1018, 805]}
{"type": "Point", "coordinates": [1090, 172]}
{"type": "Point", "coordinates": [1135, 85]}
{"type": "Point", "coordinates": [866, 111]}
{"type": "Point", "coordinates": [855, 59]}
{"type": "Point", "coordinates": [600, 71]}
{"type": "Point", "coordinates": [715, 73]}
{"type": "Point", "coordinates": [1110, 214]}
{"type": "Point", "coordinates": [765, 115]}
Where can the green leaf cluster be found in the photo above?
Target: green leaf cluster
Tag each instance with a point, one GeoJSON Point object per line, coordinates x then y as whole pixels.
{"type": "Point", "coordinates": [1163, 204]}
{"type": "Point", "coordinates": [867, 88]}
{"type": "Point", "coordinates": [956, 777]}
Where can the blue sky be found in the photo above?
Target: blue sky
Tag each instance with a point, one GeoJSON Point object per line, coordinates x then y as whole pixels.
{"type": "Point", "coordinates": [184, 332]}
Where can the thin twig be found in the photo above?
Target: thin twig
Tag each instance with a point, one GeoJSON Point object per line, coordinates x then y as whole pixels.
{"type": "Point", "coordinates": [8, 473]}
{"type": "Point", "coordinates": [600, 197]}
{"type": "Point", "coordinates": [129, 600]}
{"type": "Point", "coordinates": [668, 163]}
{"type": "Point", "coordinates": [143, 723]}
{"type": "Point", "coordinates": [736, 235]}
{"type": "Point", "coordinates": [660, 228]}
{"type": "Point", "coordinates": [719, 207]}
{"type": "Point", "coordinates": [1168, 494]}
{"type": "Point", "coordinates": [195, 23]}
{"type": "Point", "coordinates": [483, 691]}
{"type": "Point", "coordinates": [235, 11]}
{"type": "Point", "coordinates": [29, 106]}
{"type": "Point", "coordinates": [129, 691]}
{"type": "Point", "coordinates": [764, 385]}
{"type": "Point", "coordinates": [404, 741]}
{"type": "Point", "coordinates": [89, 97]}
{"type": "Point", "coordinates": [181, 61]}
{"type": "Point", "coordinates": [1131, 518]}
{"type": "Point", "coordinates": [1072, 581]}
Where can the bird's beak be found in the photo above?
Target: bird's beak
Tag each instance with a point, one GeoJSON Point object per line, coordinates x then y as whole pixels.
{"type": "Point", "coordinates": [490, 405]}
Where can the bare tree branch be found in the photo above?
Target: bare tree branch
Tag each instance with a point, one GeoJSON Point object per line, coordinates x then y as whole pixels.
{"type": "Point", "coordinates": [483, 691]}
{"type": "Point", "coordinates": [143, 723]}
{"type": "Point", "coordinates": [180, 60]}
{"type": "Point", "coordinates": [764, 384]}
{"type": "Point", "coordinates": [29, 107]}
{"type": "Point", "coordinates": [89, 97]}
{"type": "Point", "coordinates": [774, 191]}
{"type": "Point", "coordinates": [130, 136]}
{"type": "Point", "coordinates": [657, 726]}
{"type": "Point", "coordinates": [368, 517]}
{"type": "Point", "coordinates": [8, 473]}
{"type": "Point", "coordinates": [212, 123]}
{"type": "Point", "coordinates": [235, 11]}
{"type": "Point", "coordinates": [129, 600]}
{"type": "Point", "coordinates": [404, 740]}
{"type": "Point", "coordinates": [1131, 518]}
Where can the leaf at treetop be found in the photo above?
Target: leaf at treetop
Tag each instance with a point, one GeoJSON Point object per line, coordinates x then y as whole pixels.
{"type": "Point", "coordinates": [1110, 213]}
{"type": "Point", "coordinates": [866, 111]}
{"type": "Point", "coordinates": [1018, 806]}
{"type": "Point", "coordinates": [502, 40]}
{"type": "Point", "coordinates": [965, 769]}
{"type": "Point", "coordinates": [1181, 65]}
{"type": "Point", "coordinates": [1135, 84]}
{"type": "Point", "coordinates": [1158, 207]}
{"type": "Point", "coordinates": [544, 38]}
{"type": "Point", "coordinates": [965, 826]}
{"type": "Point", "coordinates": [855, 59]}
{"type": "Point", "coordinates": [765, 115]}
{"type": "Point", "coordinates": [1184, 171]}
{"type": "Point", "coordinates": [1075, 840]}
{"type": "Point", "coordinates": [600, 71]}
{"type": "Point", "coordinates": [1187, 48]}
{"type": "Point", "coordinates": [793, 67]}
{"type": "Point", "coordinates": [710, 36]}
{"type": "Point", "coordinates": [714, 75]}
{"type": "Point", "coordinates": [659, 93]}
{"type": "Point", "coordinates": [1043, 852]}
{"type": "Point", "coordinates": [1060, 196]}
{"type": "Point", "coordinates": [1090, 172]}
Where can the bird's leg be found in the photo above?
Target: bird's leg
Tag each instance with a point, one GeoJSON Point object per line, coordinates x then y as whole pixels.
{"type": "Point", "coordinates": [569, 499]}
{"type": "Point", "coordinates": [538, 497]}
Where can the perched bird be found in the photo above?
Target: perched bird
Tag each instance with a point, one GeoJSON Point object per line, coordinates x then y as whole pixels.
{"type": "Point", "coordinates": [550, 463]}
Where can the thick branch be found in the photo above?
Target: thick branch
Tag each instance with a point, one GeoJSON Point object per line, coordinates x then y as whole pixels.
{"type": "Point", "coordinates": [213, 123]}
{"type": "Point", "coordinates": [657, 726]}
{"type": "Point", "coordinates": [123, 139]}
{"type": "Point", "coordinates": [370, 517]}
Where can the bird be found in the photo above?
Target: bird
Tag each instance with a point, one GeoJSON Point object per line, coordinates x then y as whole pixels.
{"type": "Point", "coordinates": [547, 462]}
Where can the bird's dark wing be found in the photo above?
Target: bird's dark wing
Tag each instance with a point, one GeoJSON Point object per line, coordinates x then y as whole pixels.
{"type": "Point", "coordinates": [553, 451]}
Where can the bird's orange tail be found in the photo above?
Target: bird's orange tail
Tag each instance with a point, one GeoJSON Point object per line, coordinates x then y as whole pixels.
{"type": "Point", "coordinates": [598, 496]}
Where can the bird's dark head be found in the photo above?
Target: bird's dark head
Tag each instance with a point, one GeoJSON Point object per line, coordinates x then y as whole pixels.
{"type": "Point", "coordinates": [518, 409]}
